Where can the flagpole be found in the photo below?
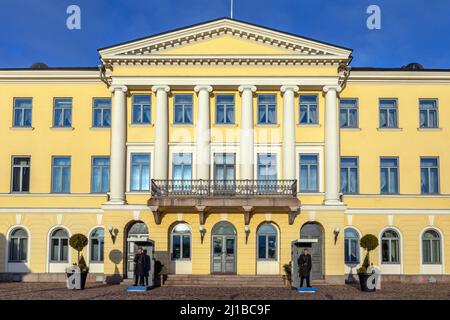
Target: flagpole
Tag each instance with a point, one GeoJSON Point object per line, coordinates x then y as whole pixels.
{"type": "Point", "coordinates": [231, 15]}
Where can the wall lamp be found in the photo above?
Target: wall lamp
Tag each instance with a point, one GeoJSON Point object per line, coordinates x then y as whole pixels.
{"type": "Point", "coordinates": [336, 233]}
{"type": "Point", "coordinates": [113, 232]}
{"type": "Point", "coordinates": [202, 230]}
{"type": "Point", "coordinates": [247, 233]}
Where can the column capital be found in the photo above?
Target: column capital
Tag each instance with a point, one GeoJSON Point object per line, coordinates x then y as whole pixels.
{"type": "Point", "coordinates": [113, 89]}
{"type": "Point", "coordinates": [157, 88]}
{"type": "Point", "coordinates": [203, 87]}
{"type": "Point", "coordinates": [289, 88]}
{"type": "Point", "coordinates": [336, 88]}
{"type": "Point", "coordinates": [247, 87]}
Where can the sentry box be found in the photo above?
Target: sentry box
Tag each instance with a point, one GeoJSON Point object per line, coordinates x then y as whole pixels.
{"type": "Point", "coordinates": [297, 247]}
{"type": "Point", "coordinates": [134, 242]}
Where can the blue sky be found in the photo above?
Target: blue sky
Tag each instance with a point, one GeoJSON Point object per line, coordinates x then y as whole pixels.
{"type": "Point", "coordinates": [412, 30]}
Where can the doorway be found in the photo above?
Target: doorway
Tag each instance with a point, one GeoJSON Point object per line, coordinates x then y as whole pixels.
{"type": "Point", "coordinates": [314, 231]}
{"type": "Point", "coordinates": [137, 237]}
{"type": "Point", "coordinates": [223, 244]}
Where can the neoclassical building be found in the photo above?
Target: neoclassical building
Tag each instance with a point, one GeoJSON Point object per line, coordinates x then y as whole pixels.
{"type": "Point", "coordinates": [217, 145]}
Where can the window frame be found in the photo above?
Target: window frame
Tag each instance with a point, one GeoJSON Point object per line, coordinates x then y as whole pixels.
{"type": "Point", "coordinates": [21, 174]}
{"type": "Point", "coordinates": [390, 240]}
{"type": "Point", "coordinates": [396, 125]}
{"type": "Point", "coordinates": [225, 108]}
{"type": "Point", "coordinates": [439, 239]}
{"type": "Point", "coordinates": [266, 236]}
{"type": "Point", "coordinates": [140, 174]}
{"type": "Point", "coordinates": [70, 175]}
{"type": "Point", "coordinates": [389, 174]}
{"type": "Point", "coordinates": [102, 108]}
{"type": "Point", "coordinates": [317, 155]}
{"type": "Point", "coordinates": [267, 107]}
{"type": "Point", "coordinates": [60, 247]}
{"type": "Point", "coordinates": [63, 111]}
{"type": "Point", "coordinates": [308, 109]}
{"type": "Point", "coordinates": [358, 250]}
{"type": "Point", "coordinates": [356, 107]}
{"type": "Point", "coordinates": [182, 236]}
{"type": "Point", "coordinates": [19, 246]}
{"type": "Point", "coordinates": [348, 176]}
{"type": "Point", "coordinates": [101, 176]}
{"type": "Point", "coordinates": [141, 108]}
{"type": "Point", "coordinates": [438, 191]}
{"type": "Point", "coordinates": [183, 105]}
{"type": "Point", "coordinates": [436, 100]}
{"type": "Point", "coordinates": [14, 113]}
{"type": "Point", "coordinates": [101, 248]}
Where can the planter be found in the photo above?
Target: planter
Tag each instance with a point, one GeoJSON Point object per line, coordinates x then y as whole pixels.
{"type": "Point", "coordinates": [76, 278]}
{"type": "Point", "coordinates": [363, 281]}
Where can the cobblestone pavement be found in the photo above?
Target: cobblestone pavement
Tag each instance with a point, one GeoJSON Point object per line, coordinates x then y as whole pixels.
{"type": "Point", "coordinates": [93, 291]}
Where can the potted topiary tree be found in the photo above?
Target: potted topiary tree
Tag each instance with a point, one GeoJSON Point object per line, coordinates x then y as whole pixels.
{"type": "Point", "coordinates": [369, 242]}
{"type": "Point", "coordinates": [77, 274]}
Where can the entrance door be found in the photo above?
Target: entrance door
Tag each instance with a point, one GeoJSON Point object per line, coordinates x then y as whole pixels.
{"type": "Point", "coordinates": [314, 231]}
{"type": "Point", "coordinates": [223, 243]}
{"type": "Point", "coordinates": [132, 247]}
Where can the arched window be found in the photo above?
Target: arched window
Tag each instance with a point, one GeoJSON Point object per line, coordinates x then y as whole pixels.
{"type": "Point", "coordinates": [59, 245]}
{"type": "Point", "coordinates": [267, 242]}
{"type": "Point", "coordinates": [431, 247]}
{"type": "Point", "coordinates": [181, 242]}
{"type": "Point", "coordinates": [97, 243]}
{"type": "Point", "coordinates": [390, 247]}
{"type": "Point", "coordinates": [18, 245]}
{"type": "Point", "coordinates": [351, 246]}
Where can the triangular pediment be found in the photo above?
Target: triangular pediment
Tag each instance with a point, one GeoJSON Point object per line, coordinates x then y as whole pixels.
{"type": "Point", "coordinates": [224, 39]}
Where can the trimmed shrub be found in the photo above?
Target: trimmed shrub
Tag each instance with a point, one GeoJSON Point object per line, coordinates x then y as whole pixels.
{"type": "Point", "coordinates": [78, 241]}
{"type": "Point", "coordinates": [369, 242]}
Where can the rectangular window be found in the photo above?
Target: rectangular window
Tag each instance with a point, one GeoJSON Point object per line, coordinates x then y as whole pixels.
{"type": "Point", "coordinates": [141, 108]}
{"type": "Point", "coordinates": [388, 175]}
{"type": "Point", "coordinates": [22, 112]}
{"type": "Point", "coordinates": [267, 172]}
{"type": "Point", "coordinates": [429, 175]}
{"type": "Point", "coordinates": [267, 109]}
{"type": "Point", "coordinates": [349, 175]}
{"type": "Point", "coordinates": [428, 113]}
{"type": "Point", "coordinates": [267, 247]}
{"type": "Point", "coordinates": [181, 246]}
{"type": "Point", "coordinates": [225, 109]}
{"type": "Point", "coordinates": [140, 172]}
{"type": "Point", "coordinates": [348, 113]}
{"type": "Point", "coordinates": [102, 113]}
{"type": "Point", "coordinates": [309, 173]}
{"type": "Point", "coordinates": [21, 174]}
{"type": "Point", "coordinates": [183, 109]}
{"type": "Point", "coordinates": [224, 173]}
{"type": "Point", "coordinates": [62, 113]}
{"type": "Point", "coordinates": [100, 175]}
{"type": "Point", "coordinates": [61, 174]}
{"type": "Point", "coordinates": [182, 171]}
{"type": "Point", "coordinates": [308, 109]}
{"type": "Point", "coordinates": [388, 113]}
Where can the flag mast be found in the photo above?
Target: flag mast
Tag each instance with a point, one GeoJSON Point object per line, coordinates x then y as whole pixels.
{"type": "Point", "coordinates": [231, 14]}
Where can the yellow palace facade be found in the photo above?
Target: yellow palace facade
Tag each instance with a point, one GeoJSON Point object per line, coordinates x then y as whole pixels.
{"type": "Point", "coordinates": [219, 144]}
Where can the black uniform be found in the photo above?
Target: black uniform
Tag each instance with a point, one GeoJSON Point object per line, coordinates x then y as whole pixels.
{"type": "Point", "coordinates": [139, 269]}
{"type": "Point", "coordinates": [147, 267]}
{"type": "Point", "coordinates": [305, 265]}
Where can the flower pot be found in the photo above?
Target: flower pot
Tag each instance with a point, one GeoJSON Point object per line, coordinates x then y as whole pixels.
{"type": "Point", "coordinates": [76, 278]}
{"type": "Point", "coordinates": [363, 279]}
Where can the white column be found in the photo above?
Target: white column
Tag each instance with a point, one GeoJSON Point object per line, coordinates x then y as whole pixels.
{"type": "Point", "coordinates": [331, 146]}
{"type": "Point", "coordinates": [247, 146]}
{"type": "Point", "coordinates": [161, 156]}
{"type": "Point", "coordinates": [118, 145]}
{"type": "Point", "coordinates": [203, 133]}
{"type": "Point", "coordinates": [289, 165]}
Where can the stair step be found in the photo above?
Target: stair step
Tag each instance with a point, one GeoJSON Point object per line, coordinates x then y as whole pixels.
{"type": "Point", "coordinates": [224, 281]}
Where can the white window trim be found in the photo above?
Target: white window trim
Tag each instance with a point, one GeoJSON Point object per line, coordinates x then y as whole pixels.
{"type": "Point", "coordinates": [400, 248]}
{"type": "Point", "coordinates": [88, 247]}
{"type": "Point", "coordinates": [362, 251]}
{"type": "Point", "coordinates": [310, 150]}
{"type": "Point", "coordinates": [173, 149]}
{"type": "Point", "coordinates": [263, 150]}
{"type": "Point", "coordinates": [69, 249]}
{"type": "Point", "coordinates": [171, 241]}
{"type": "Point", "coordinates": [222, 148]}
{"type": "Point", "coordinates": [8, 238]}
{"type": "Point", "coordinates": [442, 264]}
{"type": "Point", "coordinates": [138, 149]}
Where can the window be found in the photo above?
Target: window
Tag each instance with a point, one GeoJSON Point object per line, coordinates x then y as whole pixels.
{"type": "Point", "coordinates": [18, 245]}
{"type": "Point", "coordinates": [102, 113]}
{"type": "Point", "coordinates": [224, 172]}
{"type": "Point", "coordinates": [429, 175]}
{"type": "Point", "coordinates": [349, 175]}
{"type": "Point", "coordinates": [309, 173]}
{"type": "Point", "coordinates": [267, 172]}
{"type": "Point", "coordinates": [59, 245]}
{"type": "Point", "coordinates": [61, 175]}
{"type": "Point", "coordinates": [267, 242]}
{"type": "Point", "coordinates": [388, 113]}
{"type": "Point", "coordinates": [267, 109]}
{"type": "Point", "coordinates": [390, 247]}
{"type": "Point", "coordinates": [183, 109]}
{"type": "Point", "coordinates": [100, 175]}
{"type": "Point", "coordinates": [348, 113]}
{"type": "Point", "coordinates": [225, 109]}
{"type": "Point", "coordinates": [21, 174]}
{"type": "Point", "coordinates": [22, 112]}
{"type": "Point", "coordinates": [431, 247]}
{"type": "Point", "coordinates": [428, 113]}
{"type": "Point", "coordinates": [62, 113]}
{"type": "Point", "coordinates": [182, 171]}
{"type": "Point", "coordinates": [181, 242]}
{"type": "Point", "coordinates": [389, 175]}
{"type": "Point", "coordinates": [308, 109]}
{"type": "Point", "coordinates": [351, 246]}
{"type": "Point", "coordinates": [140, 172]}
{"type": "Point", "coordinates": [141, 108]}
{"type": "Point", "coordinates": [97, 244]}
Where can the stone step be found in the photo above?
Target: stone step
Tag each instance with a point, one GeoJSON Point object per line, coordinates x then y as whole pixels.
{"type": "Point", "coordinates": [224, 281]}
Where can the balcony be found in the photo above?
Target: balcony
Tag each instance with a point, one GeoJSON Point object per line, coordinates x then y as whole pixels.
{"type": "Point", "coordinates": [229, 196]}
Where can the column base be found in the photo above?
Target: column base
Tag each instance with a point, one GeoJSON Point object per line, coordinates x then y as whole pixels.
{"type": "Point", "coordinates": [115, 202]}
{"type": "Point", "coordinates": [333, 202]}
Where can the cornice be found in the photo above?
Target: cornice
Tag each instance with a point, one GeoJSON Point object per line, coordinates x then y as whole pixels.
{"type": "Point", "coordinates": [400, 77]}
{"type": "Point", "coordinates": [49, 76]}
